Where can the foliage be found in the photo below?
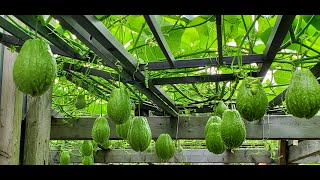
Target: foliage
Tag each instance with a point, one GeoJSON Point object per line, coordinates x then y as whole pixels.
{"type": "Point", "coordinates": [188, 37]}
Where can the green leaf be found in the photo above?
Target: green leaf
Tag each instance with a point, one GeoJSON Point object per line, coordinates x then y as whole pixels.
{"type": "Point", "coordinates": [315, 21]}
{"type": "Point", "coordinates": [265, 35]}
{"type": "Point", "coordinates": [135, 22]}
{"type": "Point", "coordinates": [231, 23]}
{"type": "Point", "coordinates": [190, 40]}
{"type": "Point", "coordinates": [207, 32]}
{"type": "Point", "coordinates": [259, 49]}
{"type": "Point", "coordinates": [173, 38]}
{"type": "Point", "coordinates": [282, 77]}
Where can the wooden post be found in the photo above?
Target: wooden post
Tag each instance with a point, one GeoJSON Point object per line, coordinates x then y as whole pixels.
{"type": "Point", "coordinates": [37, 130]}
{"type": "Point", "coordinates": [10, 114]}
{"type": "Point", "coordinates": [283, 152]}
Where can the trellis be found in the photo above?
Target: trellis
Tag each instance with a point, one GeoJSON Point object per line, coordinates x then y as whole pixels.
{"type": "Point", "coordinates": [93, 33]}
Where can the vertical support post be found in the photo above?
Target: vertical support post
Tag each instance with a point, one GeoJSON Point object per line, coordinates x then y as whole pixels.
{"type": "Point", "coordinates": [11, 112]}
{"type": "Point", "coordinates": [283, 152]}
{"type": "Point", "coordinates": [37, 130]}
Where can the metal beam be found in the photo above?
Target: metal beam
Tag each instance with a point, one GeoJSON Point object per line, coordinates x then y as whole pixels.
{"type": "Point", "coordinates": [13, 29]}
{"type": "Point", "coordinates": [47, 33]}
{"type": "Point", "coordinates": [202, 62]}
{"type": "Point", "coordinates": [275, 40]}
{"type": "Point", "coordinates": [196, 79]}
{"type": "Point", "coordinates": [98, 31]}
{"type": "Point", "coordinates": [91, 71]}
{"type": "Point", "coordinates": [272, 127]}
{"type": "Point", "coordinates": [219, 39]}
{"type": "Point", "coordinates": [9, 40]}
{"type": "Point", "coordinates": [108, 59]}
{"type": "Point", "coordinates": [156, 30]}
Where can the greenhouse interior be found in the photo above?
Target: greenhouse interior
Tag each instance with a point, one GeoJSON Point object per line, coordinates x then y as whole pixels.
{"type": "Point", "coordinates": [160, 89]}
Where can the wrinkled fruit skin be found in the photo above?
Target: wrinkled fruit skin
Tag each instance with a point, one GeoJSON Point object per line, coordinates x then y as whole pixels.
{"type": "Point", "coordinates": [213, 139]}
{"type": "Point", "coordinates": [122, 129]}
{"type": "Point", "coordinates": [252, 100]}
{"type": "Point", "coordinates": [35, 68]}
{"type": "Point", "coordinates": [139, 134]}
{"type": "Point", "coordinates": [164, 146]}
{"type": "Point", "coordinates": [100, 130]}
{"type": "Point", "coordinates": [80, 102]}
{"type": "Point", "coordinates": [64, 158]}
{"type": "Point", "coordinates": [119, 106]}
{"type": "Point", "coordinates": [303, 94]}
{"type": "Point", "coordinates": [87, 160]}
{"type": "Point", "coordinates": [86, 148]}
{"type": "Point", "coordinates": [212, 119]}
{"type": "Point", "coordinates": [221, 107]}
{"type": "Point", "coordinates": [233, 131]}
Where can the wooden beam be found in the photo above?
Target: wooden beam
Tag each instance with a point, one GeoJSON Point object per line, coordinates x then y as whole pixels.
{"type": "Point", "coordinates": [283, 152]}
{"type": "Point", "coordinates": [10, 114]}
{"type": "Point", "coordinates": [310, 159]}
{"type": "Point", "coordinates": [37, 130]}
{"type": "Point", "coordinates": [277, 127]}
{"type": "Point", "coordinates": [304, 150]}
{"type": "Point", "coordinates": [250, 155]}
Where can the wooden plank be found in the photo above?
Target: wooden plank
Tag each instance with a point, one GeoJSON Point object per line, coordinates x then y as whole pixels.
{"type": "Point", "coordinates": [310, 159]}
{"type": "Point", "coordinates": [277, 127]}
{"type": "Point", "coordinates": [305, 149]}
{"type": "Point", "coordinates": [283, 152]}
{"type": "Point", "coordinates": [10, 114]}
{"type": "Point", "coordinates": [252, 155]}
{"type": "Point", "coordinates": [37, 132]}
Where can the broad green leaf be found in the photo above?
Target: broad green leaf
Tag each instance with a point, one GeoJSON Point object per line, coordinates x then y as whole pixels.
{"type": "Point", "coordinates": [190, 40]}
{"type": "Point", "coordinates": [259, 49]}
{"type": "Point", "coordinates": [264, 36]}
{"type": "Point", "coordinates": [173, 38]}
{"type": "Point", "coordinates": [281, 76]}
{"type": "Point", "coordinates": [207, 32]}
{"type": "Point", "coordinates": [231, 24]}
{"type": "Point", "coordinates": [247, 19]}
{"type": "Point", "coordinates": [315, 21]}
{"type": "Point", "coordinates": [135, 22]}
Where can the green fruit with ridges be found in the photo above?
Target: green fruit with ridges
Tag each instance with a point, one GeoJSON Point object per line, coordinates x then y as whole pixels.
{"type": "Point", "coordinates": [139, 134]}
{"type": "Point", "coordinates": [35, 68]}
{"type": "Point", "coordinates": [252, 100]}
{"type": "Point", "coordinates": [303, 94]}
{"type": "Point", "coordinates": [122, 129]}
{"type": "Point", "coordinates": [100, 130]}
{"type": "Point", "coordinates": [212, 119]}
{"type": "Point", "coordinates": [164, 147]}
{"type": "Point", "coordinates": [213, 139]}
{"type": "Point", "coordinates": [86, 148]}
{"type": "Point", "coordinates": [119, 106]}
{"type": "Point", "coordinates": [221, 107]}
{"type": "Point", "coordinates": [64, 158]}
{"type": "Point", "coordinates": [87, 160]}
{"type": "Point", "coordinates": [80, 102]}
{"type": "Point", "coordinates": [233, 132]}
